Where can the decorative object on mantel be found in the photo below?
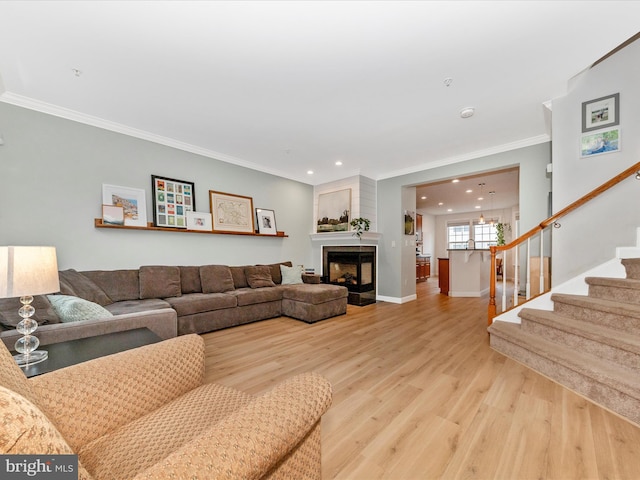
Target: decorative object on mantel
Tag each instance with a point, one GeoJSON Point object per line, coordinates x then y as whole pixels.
{"type": "Point", "coordinates": [266, 221]}
{"type": "Point", "coordinates": [501, 228]}
{"type": "Point", "coordinates": [360, 226]}
{"type": "Point", "coordinates": [231, 213]}
{"type": "Point", "coordinates": [172, 199]}
{"type": "Point", "coordinates": [409, 222]}
{"type": "Point", "coordinates": [133, 200]}
{"type": "Point", "coordinates": [334, 209]}
{"type": "Point", "coordinates": [24, 272]}
{"type": "Point", "coordinates": [199, 221]}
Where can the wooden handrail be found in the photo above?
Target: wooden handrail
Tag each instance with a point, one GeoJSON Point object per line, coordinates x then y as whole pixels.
{"type": "Point", "coordinates": [632, 170]}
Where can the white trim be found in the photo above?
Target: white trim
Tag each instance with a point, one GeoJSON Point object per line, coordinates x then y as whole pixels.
{"type": "Point", "coordinates": [409, 298]}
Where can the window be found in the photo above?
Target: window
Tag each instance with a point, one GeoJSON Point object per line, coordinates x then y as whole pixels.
{"type": "Point", "coordinates": [457, 235]}
{"type": "Point", "coordinates": [484, 234]}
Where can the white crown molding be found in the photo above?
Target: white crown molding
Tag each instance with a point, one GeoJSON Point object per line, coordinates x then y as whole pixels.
{"type": "Point", "coordinates": [527, 142]}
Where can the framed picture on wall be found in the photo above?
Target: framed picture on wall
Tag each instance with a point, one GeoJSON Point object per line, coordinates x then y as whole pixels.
{"type": "Point", "coordinates": [199, 221]}
{"type": "Point", "coordinates": [231, 213]}
{"type": "Point", "coordinates": [596, 143]}
{"type": "Point", "coordinates": [409, 222]}
{"type": "Point", "coordinates": [334, 210]}
{"type": "Point", "coordinates": [113, 214]}
{"type": "Point", "coordinates": [601, 113]}
{"type": "Point", "coordinates": [266, 221]}
{"type": "Point", "coordinates": [172, 199]}
{"type": "Point", "coordinates": [132, 200]}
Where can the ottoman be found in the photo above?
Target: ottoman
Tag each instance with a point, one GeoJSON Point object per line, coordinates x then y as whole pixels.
{"type": "Point", "coordinates": [313, 302]}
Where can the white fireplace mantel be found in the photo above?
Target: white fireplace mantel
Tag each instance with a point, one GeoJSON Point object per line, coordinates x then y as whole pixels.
{"type": "Point", "coordinates": [346, 237]}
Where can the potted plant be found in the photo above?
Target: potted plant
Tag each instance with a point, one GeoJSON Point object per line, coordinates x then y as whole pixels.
{"type": "Point", "coordinates": [501, 228]}
{"type": "Point", "coordinates": [360, 225]}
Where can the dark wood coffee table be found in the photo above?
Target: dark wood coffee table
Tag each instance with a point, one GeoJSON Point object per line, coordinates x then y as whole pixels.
{"type": "Point", "coordinates": [64, 354]}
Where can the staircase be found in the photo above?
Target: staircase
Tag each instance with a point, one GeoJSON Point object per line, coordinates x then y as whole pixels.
{"type": "Point", "coordinates": [590, 344]}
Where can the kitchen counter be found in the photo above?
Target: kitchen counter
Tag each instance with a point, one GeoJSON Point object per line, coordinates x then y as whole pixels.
{"type": "Point", "coordinates": [469, 272]}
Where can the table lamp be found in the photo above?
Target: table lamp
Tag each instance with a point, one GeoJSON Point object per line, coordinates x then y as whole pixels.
{"type": "Point", "coordinates": [24, 272]}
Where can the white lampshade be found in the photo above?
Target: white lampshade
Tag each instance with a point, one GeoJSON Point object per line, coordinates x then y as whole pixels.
{"type": "Point", "coordinates": [28, 271]}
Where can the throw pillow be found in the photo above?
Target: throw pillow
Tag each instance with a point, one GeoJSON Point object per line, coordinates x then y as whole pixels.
{"type": "Point", "coordinates": [44, 314]}
{"type": "Point", "coordinates": [216, 279]}
{"type": "Point", "coordinates": [291, 275]}
{"type": "Point", "coordinates": [160, 282]}
{"type": "Point", "coordinates": [76, 284]}
{"type": "Point", "coordinates": [74, 309]}
{"type": "Point", "coordinates": [259, 276]}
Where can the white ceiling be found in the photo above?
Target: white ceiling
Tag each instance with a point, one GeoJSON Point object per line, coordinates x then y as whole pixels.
{"type": "Point", "coordinates": [286, 87]}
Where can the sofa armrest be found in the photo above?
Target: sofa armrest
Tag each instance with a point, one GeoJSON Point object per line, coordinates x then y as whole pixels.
{"type": "Point", "coordinates": [163, 322]}
{"type": "Point", "coordinates": [88, 400]}
{"type": "Point", "coordinates": [256, 438]}
{"type": "Point", "coordinates": [311, 278]}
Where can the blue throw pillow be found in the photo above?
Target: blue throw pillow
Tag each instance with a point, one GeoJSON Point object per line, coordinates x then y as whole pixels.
{"type": "Point", "coordinates": [75, 309]}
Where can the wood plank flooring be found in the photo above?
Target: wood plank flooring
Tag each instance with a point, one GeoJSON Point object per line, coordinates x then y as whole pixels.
{"type": "Point", "coordinates": [418, 394]}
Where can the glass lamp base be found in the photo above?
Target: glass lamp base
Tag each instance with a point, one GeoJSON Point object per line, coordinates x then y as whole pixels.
{"type": "Point", "coordinates": [37, 356]}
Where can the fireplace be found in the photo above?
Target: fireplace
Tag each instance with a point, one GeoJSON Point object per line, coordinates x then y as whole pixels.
{"type": "Point", "coordinates": [353, 267]}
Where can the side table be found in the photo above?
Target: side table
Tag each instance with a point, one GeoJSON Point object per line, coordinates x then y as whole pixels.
{"type": "Point", "coordinates": [68, 353]}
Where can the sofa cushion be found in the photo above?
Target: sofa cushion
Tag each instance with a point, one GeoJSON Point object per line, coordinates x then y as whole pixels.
{"type": "Point", "coordinates": [159, 281]}
{"type": "Point", "coordinates": [78, 285]}
{"type": "Point", "coordinates": [76, 309]}
{"type": "Point", "coordinates": [190, 279]}
{"type": "Point", "coordinates": [239, 278]}
{"type": "Point", "coordinates": [259, 276]}
{"type": "Point", "coordinates": [291, 275]}
{"type": "Point", "coordinates": [44, 314]}
{"type": "Point", "coordinates": [193, 303]}
{"type": "Point", "coordinates": [134, 306]}
{"type": "Point", "coordinates": [313, 294]}
{"type": "Point", "coordinates": [117, 284]}
{"type": "Point", "coordinates": [276, 276]}
{"type": "Point", "coordinates": [250, 296]}
{"type": "Point", "coordinates": [216, 279]}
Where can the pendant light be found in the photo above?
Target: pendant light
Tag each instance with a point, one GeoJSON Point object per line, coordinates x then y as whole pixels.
{"type": "Point", "coordinates": [492, 193]}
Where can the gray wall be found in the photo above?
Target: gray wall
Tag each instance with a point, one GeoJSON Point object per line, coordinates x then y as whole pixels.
{"type": "Point", "coordinates": [397, 263]}
{"type": "Point", "coordinates": [589, 236]}
{"type": "Point", "coordinates": [51, 176]}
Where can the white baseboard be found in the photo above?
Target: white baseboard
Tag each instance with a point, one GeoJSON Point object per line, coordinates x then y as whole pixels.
{"type": "Point", "coordinates": [400, 300]}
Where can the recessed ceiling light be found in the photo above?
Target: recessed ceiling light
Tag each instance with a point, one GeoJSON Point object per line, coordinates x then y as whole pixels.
{"type": "Point", "coordinates": [338, 163]}
{"type": "Point", "coordinates": [309, 172]}
{"type": "Point", "coordinates": [477, 207]}
{"type": "Point", "coordinates": [480, 198]}
{"type": "Point", "coordinates": [423, 198]}
{"type": "Point", "coordinates": [440, 204]}
{"type": "Point", "coordinates": [469, 191]}
{"type": "Point", "coordinates": [467, 112]}
{"type": "Point", "coordinates": [455, 180]}
{"type": "Point", "coordinates": [449, 209]}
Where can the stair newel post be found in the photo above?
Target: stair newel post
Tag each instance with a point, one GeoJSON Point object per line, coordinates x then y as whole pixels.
{"type": "Point", "coordinates": [492, 286]}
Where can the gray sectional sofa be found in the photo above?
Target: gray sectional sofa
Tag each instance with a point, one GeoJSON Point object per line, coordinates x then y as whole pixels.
{"type": "Point", "coordinates": [177, 300]}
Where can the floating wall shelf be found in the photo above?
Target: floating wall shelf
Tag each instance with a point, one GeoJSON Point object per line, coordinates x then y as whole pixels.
{"type": "Point", "coordinates": [98, 223]}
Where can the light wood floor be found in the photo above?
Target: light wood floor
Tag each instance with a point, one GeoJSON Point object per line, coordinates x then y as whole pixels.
{"type": "Point", "coordinates": [418, 394]}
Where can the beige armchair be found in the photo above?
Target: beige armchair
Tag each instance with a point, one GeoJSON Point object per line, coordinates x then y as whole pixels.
{"type": "Point", "coordinates": [146, 414]}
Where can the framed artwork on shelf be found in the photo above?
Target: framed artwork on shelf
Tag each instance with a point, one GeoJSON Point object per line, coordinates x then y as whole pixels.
{"type": "Point", "coordinates": [603, 141]}
{"type": "Point", "coordinates": [199, 221]}
{"type": "Point", "coordinates": [231, 213]}
{"type": "Point", "coordinates": [113, 214]}
{"type": "Point", "coordinates": [132, 200]}
{"type": "Point", "coordinates": [172, 199]}
{"type": "Point", "coordinates": [334, 210]}
{"type": "Point", "coordinates": [601, 113]}
{"type": "Point", "coordinates": [266, 221]}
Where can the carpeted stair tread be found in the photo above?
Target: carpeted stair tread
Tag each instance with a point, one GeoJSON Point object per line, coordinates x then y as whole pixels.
{"type": "Point", "coordinates": [632, 267]}
{"type": "Point", "coordinates": [631, 283]}
{"type": "Point", "coordinates": [600, 304]}
{"type": "Point", "coordinates": [597, 333]}
{"type": "Point", "coordinates": [614, 376]}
